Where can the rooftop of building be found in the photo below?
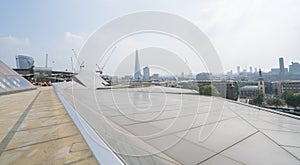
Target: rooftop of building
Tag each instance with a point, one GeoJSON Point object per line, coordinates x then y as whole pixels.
{"type": "Point", "coordinates": [145, 127]}
{"type": "Point", "coordinates": [255, 88]}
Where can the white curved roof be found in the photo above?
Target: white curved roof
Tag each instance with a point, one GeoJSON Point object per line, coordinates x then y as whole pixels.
{"type": "Point", "coordinates": [163, 128]}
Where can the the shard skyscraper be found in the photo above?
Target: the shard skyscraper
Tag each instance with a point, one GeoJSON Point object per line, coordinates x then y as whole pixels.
{"type": "Point", "coordinates": [137, 69]}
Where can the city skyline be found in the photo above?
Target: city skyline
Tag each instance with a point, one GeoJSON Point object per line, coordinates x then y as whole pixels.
{"type": "Point", "coordinates": [281, 68]}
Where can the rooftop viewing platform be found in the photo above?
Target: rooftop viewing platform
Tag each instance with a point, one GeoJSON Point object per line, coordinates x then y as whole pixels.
{"type": "Point", "coordinates": [36, 129]}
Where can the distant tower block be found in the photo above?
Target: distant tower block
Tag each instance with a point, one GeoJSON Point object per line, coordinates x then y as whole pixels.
{"type": "Point", "coordinates": [137, 68]}
{"type": "Point", "coordinates": [281, 68]}
{"type": "Point", "coordinates": [146, 73]}
{"type": "Point", "coordinates": [238, 70]}
{"type": "Point", "coordinates": [261, 83]}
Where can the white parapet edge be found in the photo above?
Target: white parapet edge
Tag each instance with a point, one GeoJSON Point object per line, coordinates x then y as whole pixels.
{"type": "Point", "coordinates": [102, 153]}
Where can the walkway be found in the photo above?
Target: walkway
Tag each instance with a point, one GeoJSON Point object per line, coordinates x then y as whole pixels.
{"type": "Point", "coordinates": [36, 129]}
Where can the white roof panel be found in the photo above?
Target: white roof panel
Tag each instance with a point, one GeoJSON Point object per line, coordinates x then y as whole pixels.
{"type": "Point", "coordinates": [145, 127]}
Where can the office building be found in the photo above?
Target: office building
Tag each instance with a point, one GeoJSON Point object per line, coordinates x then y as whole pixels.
{"type": "Point", "coordinates": [294, 68]}
{"type": "Point", "coordinates": [155, 76]}
{"type": "Point", "coordinates": [261, 83]}
{"type": "Point", "coordinates": [281, 68]}
{"type": "Point", "coordinates": [24, 62]}
{"type": "Point", "coordinates": [238, 70]}
{"type": "Point", "coordinates": [146, 71]}
{"type": "Point", "coordinates": [288, 86]}
{"type": "Point", "coordinates": [137, 69]}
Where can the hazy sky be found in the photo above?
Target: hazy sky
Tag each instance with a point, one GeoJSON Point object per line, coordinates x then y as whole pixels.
{"type": "Point", "coordinates": [245, 33]}
{"type": "Point", "coordinates": [148, 57]}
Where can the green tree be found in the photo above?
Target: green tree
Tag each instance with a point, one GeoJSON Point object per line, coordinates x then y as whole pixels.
{"type": "Point", "coordinates": [209, 90]}
{"type": "Point", "coordinates": [275, 101]}
{"type": "Point", "coordinates": [292, 99]}
{"type": "Point", "coordinates": [286, 93]}
{"type": "Point", "coordinates": [259, 99]}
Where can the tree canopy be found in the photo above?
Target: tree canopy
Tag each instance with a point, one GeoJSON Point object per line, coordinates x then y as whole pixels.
{"type": "Point", "coordinates": [292, 99]}
{"type": "Point", "coordinates": [258, 100]}
{"type": "Point", "coordinates": [275, 102]}
{"type": "Point", "coordinates": [209, 90]}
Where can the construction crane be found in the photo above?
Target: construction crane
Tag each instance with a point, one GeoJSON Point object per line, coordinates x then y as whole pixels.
{"type": "Point", "coordinates": [72, 65]}
{"type": "Point", "coordinates": [82, 63]}
{"type": "Point", "coordinates": [100, 69]}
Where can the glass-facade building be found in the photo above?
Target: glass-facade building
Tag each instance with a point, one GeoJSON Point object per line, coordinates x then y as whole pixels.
{"type": "Point", "coordinates": [24, 62]}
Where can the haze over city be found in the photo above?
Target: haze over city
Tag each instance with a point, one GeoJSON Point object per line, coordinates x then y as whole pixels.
{"type": "Point", "coordinates": [131, 82]}
{"type": "Point", "coordinates": [245, 33]}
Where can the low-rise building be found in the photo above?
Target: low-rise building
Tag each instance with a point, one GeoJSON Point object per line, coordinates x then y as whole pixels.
{"type": "Point", "coordinates": [288, 86]}
{"type": "Point", "coordinates": [249, 91]}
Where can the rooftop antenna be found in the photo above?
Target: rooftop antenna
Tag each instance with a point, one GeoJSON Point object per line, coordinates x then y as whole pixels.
{"type": "Point", "coordinates": [46, 61]}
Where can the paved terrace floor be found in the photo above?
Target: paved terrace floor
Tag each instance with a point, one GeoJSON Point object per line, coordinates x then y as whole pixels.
{"type": "Point", "coordinates": [36, 129]}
